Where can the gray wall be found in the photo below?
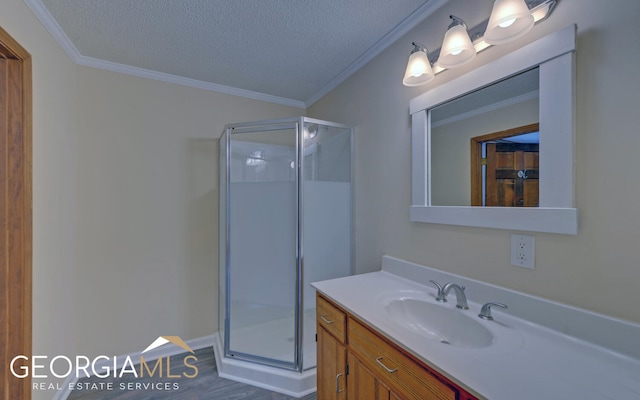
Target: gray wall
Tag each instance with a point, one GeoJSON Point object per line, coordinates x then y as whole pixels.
{"type": "Point", "coordinates": [124, 201]}
{"type": "Point", "coordinates": [598, 269]}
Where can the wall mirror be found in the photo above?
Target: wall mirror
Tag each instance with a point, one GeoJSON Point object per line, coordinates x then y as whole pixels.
{"type": "Point", "coordinates": [495, 147]}
{"type": "Point", "coordinates": [485, 146]}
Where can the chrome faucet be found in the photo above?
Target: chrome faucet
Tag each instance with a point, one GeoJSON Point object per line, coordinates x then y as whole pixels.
{"type": "Point", "coordinates": [485, 311]}
{"type": "Point", "coordinates": [440, 296]}
{"type": "Point", "coordinates": [460, 296]}
{"type": "Point", "coordinates": [444, 291]}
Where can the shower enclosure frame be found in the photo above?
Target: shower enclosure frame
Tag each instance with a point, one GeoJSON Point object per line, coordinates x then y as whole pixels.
{"type": "Point", "coordinates": [297, 123]}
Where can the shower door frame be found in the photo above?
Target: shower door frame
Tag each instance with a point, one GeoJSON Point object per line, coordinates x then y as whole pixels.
{"type": "Point", "coordinates": [296, 123]}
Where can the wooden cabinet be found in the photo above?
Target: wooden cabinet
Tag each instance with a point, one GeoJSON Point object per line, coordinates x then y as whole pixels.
{"type": "Point", "coordinates": [355, 362]}
{"type": "Point", "coordinates": [363, 384]}
{"type": "Point", "coordinates": [332, 353]}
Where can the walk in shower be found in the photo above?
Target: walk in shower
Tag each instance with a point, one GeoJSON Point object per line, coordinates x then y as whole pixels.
{"type": "Point", "coordinates": [286, 221]}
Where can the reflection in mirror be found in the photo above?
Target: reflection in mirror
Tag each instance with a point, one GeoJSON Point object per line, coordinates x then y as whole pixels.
{"type": "Point", "coordinates": [505, 168]}
{"type": "Point", "coordinates": [477, 154]}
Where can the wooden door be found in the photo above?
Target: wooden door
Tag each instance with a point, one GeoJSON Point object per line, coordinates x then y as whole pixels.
{"type": "Point", "coordinates": [479, 160]}
{"type": "Point", "coordinates": [512, 175]}
{"type": "Point", "coordinates": [15, 214]}
{"type": "Point", "coordinates": [331, 367]}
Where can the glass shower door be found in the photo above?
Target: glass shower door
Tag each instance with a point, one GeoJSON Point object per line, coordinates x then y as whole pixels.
{"type": "Point", "coordinates": [262, 233]}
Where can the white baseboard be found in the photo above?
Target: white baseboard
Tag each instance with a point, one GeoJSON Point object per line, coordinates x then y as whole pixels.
{"type": "Point", "coordinates": [151, 355]}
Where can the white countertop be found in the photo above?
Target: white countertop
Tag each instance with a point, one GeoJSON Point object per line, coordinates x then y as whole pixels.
{"type": "Point", "coordinates": [524, 361]}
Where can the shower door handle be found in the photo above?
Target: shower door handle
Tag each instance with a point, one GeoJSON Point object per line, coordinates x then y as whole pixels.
{"type": "Point", "coordinates": [323, 317]}
{"type": "Point", "coordinates": [338, 390]}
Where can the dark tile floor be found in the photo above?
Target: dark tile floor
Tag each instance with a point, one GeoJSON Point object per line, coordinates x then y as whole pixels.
{"type": "Point", "coordinates": [207, 385]}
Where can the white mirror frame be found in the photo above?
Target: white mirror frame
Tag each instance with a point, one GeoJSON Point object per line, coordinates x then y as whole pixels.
{"type": "Point", "coordinates": [555, 55]}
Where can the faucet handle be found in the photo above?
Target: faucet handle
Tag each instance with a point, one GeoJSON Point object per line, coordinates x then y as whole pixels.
{"type": "Point", "coordinates": [485, 311]}
{"type": "Point", "coordinates": [440, 297]}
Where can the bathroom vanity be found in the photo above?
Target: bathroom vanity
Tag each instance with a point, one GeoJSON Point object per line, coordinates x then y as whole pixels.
{"type": "Point", "coordinates": [356, 362]}
{"type": "Point", "coordinates": [384, 335]}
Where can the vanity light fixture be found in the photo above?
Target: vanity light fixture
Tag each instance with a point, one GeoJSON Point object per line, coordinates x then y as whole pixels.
{"type": "Point", "coordinates": [419, 69]}
{"type": "Point", "coordinates": [509, 20]}
{"type": "Point", "coordinates": [457, 48]}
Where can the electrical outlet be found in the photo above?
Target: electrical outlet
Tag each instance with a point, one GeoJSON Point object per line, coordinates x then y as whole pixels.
{"type": "Point", "coordinates": [523, 249]}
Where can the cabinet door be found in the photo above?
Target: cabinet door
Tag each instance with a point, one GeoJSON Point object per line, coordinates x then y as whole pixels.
{"type": "Point", "coordinates": [331, 366]}
{"type": "Point", "coordinates": [363, 384]}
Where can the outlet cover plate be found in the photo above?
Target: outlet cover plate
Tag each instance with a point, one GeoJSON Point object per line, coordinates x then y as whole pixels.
{"type": "Point", "coordinates": [523, 250]}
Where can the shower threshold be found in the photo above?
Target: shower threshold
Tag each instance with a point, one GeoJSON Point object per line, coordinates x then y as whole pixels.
{"type": "Point", "coordinates": [291, 383]}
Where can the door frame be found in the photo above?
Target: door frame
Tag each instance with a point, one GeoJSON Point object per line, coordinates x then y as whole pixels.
{"type": "Point", "coordinates": [476, 156]}
{"type": "Point", "coordinates": [16, 215]}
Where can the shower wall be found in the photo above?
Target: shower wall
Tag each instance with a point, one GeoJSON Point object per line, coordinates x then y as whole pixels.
{"type": "Point", "coordinates": [287, 206]}
{"type": "Point", "coordinates": [327, 208]}
{"type": "Point", "coordinates": [327, 239]}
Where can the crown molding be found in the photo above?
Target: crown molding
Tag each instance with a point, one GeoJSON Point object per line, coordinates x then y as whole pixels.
{"type": "Point", "coordinates": [387, 40]}
{"type": "Point", "coordinates": [43, 14]}
{"type": "Point", "coordinates": [180, 80]}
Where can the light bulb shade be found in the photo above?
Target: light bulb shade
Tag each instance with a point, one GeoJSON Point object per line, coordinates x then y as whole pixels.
{"type": "Point", "coordinates": [457, 48]}
{"type": "Point", "coordinates": [509, 20]}
{"type": "Point", "coordinates": [419, 69]}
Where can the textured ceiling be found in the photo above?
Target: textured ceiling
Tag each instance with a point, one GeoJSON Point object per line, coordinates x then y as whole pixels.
{"type": "Point", "coordinates": [290, 49]}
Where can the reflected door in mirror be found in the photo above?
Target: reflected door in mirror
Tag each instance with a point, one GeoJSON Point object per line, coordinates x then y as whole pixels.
{"type": "Point", "coordinates": [512, 175]}
{"type": "Point", "coordinates": [505, 168]}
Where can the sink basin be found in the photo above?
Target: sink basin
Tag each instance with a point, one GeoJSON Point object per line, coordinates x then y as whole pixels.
{"type": "Point", "coordinates": [433, 321]}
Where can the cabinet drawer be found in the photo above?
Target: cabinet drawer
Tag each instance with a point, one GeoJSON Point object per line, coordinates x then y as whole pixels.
{"type": "Point", "coordinates": [403, 375]}
{"type": "Point", "coordinates": [331, 318]}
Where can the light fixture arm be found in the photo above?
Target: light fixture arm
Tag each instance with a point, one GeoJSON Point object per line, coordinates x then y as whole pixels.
{"type": "Point", "coordinates": [455, 21]}
{"type": "Point", "coordinates": [419, 47]}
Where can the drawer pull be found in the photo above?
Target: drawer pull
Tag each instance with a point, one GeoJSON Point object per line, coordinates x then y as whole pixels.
{"type": "Point", "coordinates": [391, 371]}
{"type": "Point", "coordinates": [338, 390]}
{"type": "Point", "coordinates": [323, 317]}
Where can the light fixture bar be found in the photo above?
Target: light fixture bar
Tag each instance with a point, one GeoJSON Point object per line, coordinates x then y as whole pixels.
{"type": "Point", "coordinates": [540, 10]}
